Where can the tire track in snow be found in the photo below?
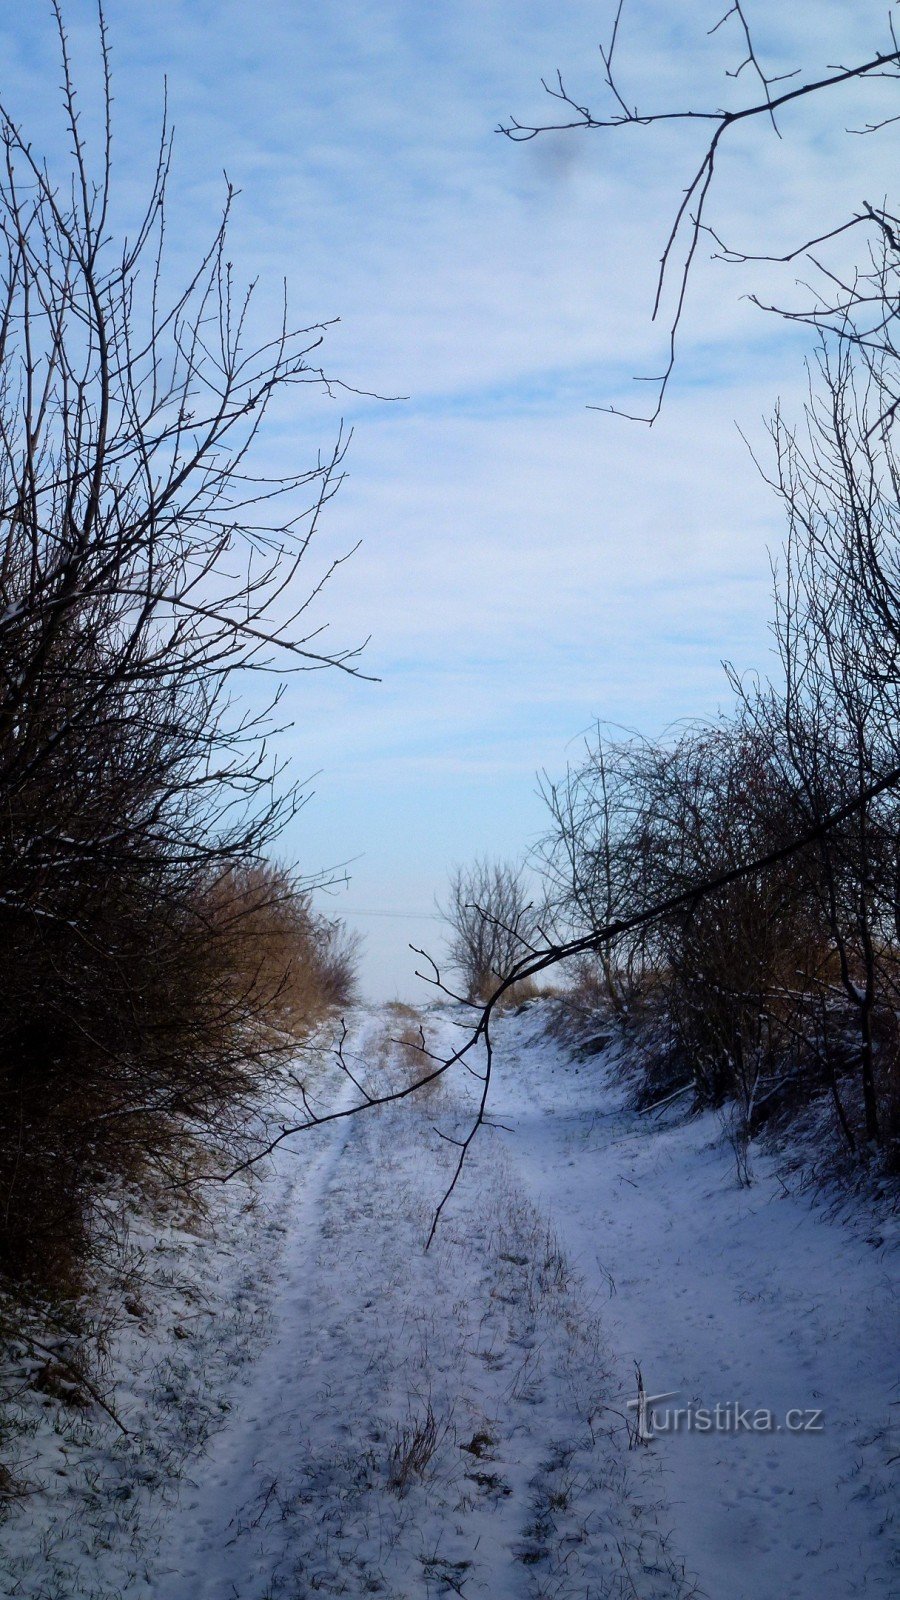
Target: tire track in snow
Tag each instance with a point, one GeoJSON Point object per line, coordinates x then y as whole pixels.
{"type": "Point", "coordinates": [528, 1488]}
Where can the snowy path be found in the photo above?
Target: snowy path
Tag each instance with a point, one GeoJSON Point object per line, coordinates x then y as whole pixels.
{"type": "Point", "coordinates": [481, 1355]}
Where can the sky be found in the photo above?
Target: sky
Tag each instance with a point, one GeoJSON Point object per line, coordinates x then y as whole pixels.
{"type": "Point", "coordinates": [527, 565]}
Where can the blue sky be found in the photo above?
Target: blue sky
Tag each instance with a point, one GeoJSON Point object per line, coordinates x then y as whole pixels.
{"type": "Point", "coordinates": [527, 565]}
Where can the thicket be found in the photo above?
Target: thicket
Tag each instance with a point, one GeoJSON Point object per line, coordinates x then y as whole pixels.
{"type": "Point", "coordinates": [156, 969]}
{"type": "Point", "coordinates": [489, 914]}
{"type": "Point", "coordinates": [785, 981]}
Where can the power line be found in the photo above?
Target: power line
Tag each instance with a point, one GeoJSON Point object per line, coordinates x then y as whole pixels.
{"type": "Point", "coordinates": [367, 911]}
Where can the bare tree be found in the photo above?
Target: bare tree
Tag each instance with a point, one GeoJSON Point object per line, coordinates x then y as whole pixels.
{"type": "Point", "coordinates": [595, 859]}
{"type": "Point", "coordinates": [491, 921]}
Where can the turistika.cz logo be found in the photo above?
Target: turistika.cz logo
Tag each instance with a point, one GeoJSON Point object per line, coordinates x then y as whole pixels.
{"type": "Point", "coordinates": [654, 1415]}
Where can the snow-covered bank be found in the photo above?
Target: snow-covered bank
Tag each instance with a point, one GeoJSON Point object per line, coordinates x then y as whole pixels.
{"type": "Point", "coordinates": [752, 1297]}
{"type": "Point", "coordinates": [319, 1407]}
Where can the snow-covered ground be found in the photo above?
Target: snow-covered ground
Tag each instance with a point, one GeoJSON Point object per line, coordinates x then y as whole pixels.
{"type": "Point", "coordinates": [753, 1298]}
{"type": "Point", "coordinates": [316, 1406]}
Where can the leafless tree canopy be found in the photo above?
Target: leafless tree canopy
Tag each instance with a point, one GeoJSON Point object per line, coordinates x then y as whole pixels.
{"type": "Point", "coordinates": [491, 921]}
{"type": "Point", "coordinates": [746, 873]}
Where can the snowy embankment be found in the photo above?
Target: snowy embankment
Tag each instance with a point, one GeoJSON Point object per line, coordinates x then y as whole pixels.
{"type": "Point", "coordinates": [316, 1406]}
{"type": "Point", "coordinates": [755, 1300]}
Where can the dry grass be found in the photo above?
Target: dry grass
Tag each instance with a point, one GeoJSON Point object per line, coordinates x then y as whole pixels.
{"type": "Point", "coordinates": [403, 1051]}
{"type": "Point", "coordinates": [296, 964]}
{"type": "Point", "coordinates": [413, 1448]}
{"type": "Point", "coordinates": [133, 1078]}
{"type": "Point", "coordinates": [402, 1011]}
{"type": "Point", "coordinates": [516, 995]}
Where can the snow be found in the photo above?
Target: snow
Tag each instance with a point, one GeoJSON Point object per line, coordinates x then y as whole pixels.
{"type": "Point", "coordinates": [723, 1294]}
{"type": "Point", "coordinates": [317, 1406]}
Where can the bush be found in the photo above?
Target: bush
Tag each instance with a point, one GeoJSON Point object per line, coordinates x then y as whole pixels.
{"type": "Point", "coordinates": [288, 964]}
{"type": "Point", "coordinates": [753, 991]}
{"type": "Point", "coordinates": [119, 1052]}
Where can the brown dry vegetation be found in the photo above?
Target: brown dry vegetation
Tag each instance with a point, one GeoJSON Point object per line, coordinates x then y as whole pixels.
{"type": "Point", "coordinates": [401, 1050]}
{"type": "Point", "coordinates": [296, 963]}
{"type": "Point", "coordinates": [112, 1070]}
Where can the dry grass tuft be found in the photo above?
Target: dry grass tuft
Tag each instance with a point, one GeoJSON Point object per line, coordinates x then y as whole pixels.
{"type": "Point", "coordinates": [413, 1448]}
